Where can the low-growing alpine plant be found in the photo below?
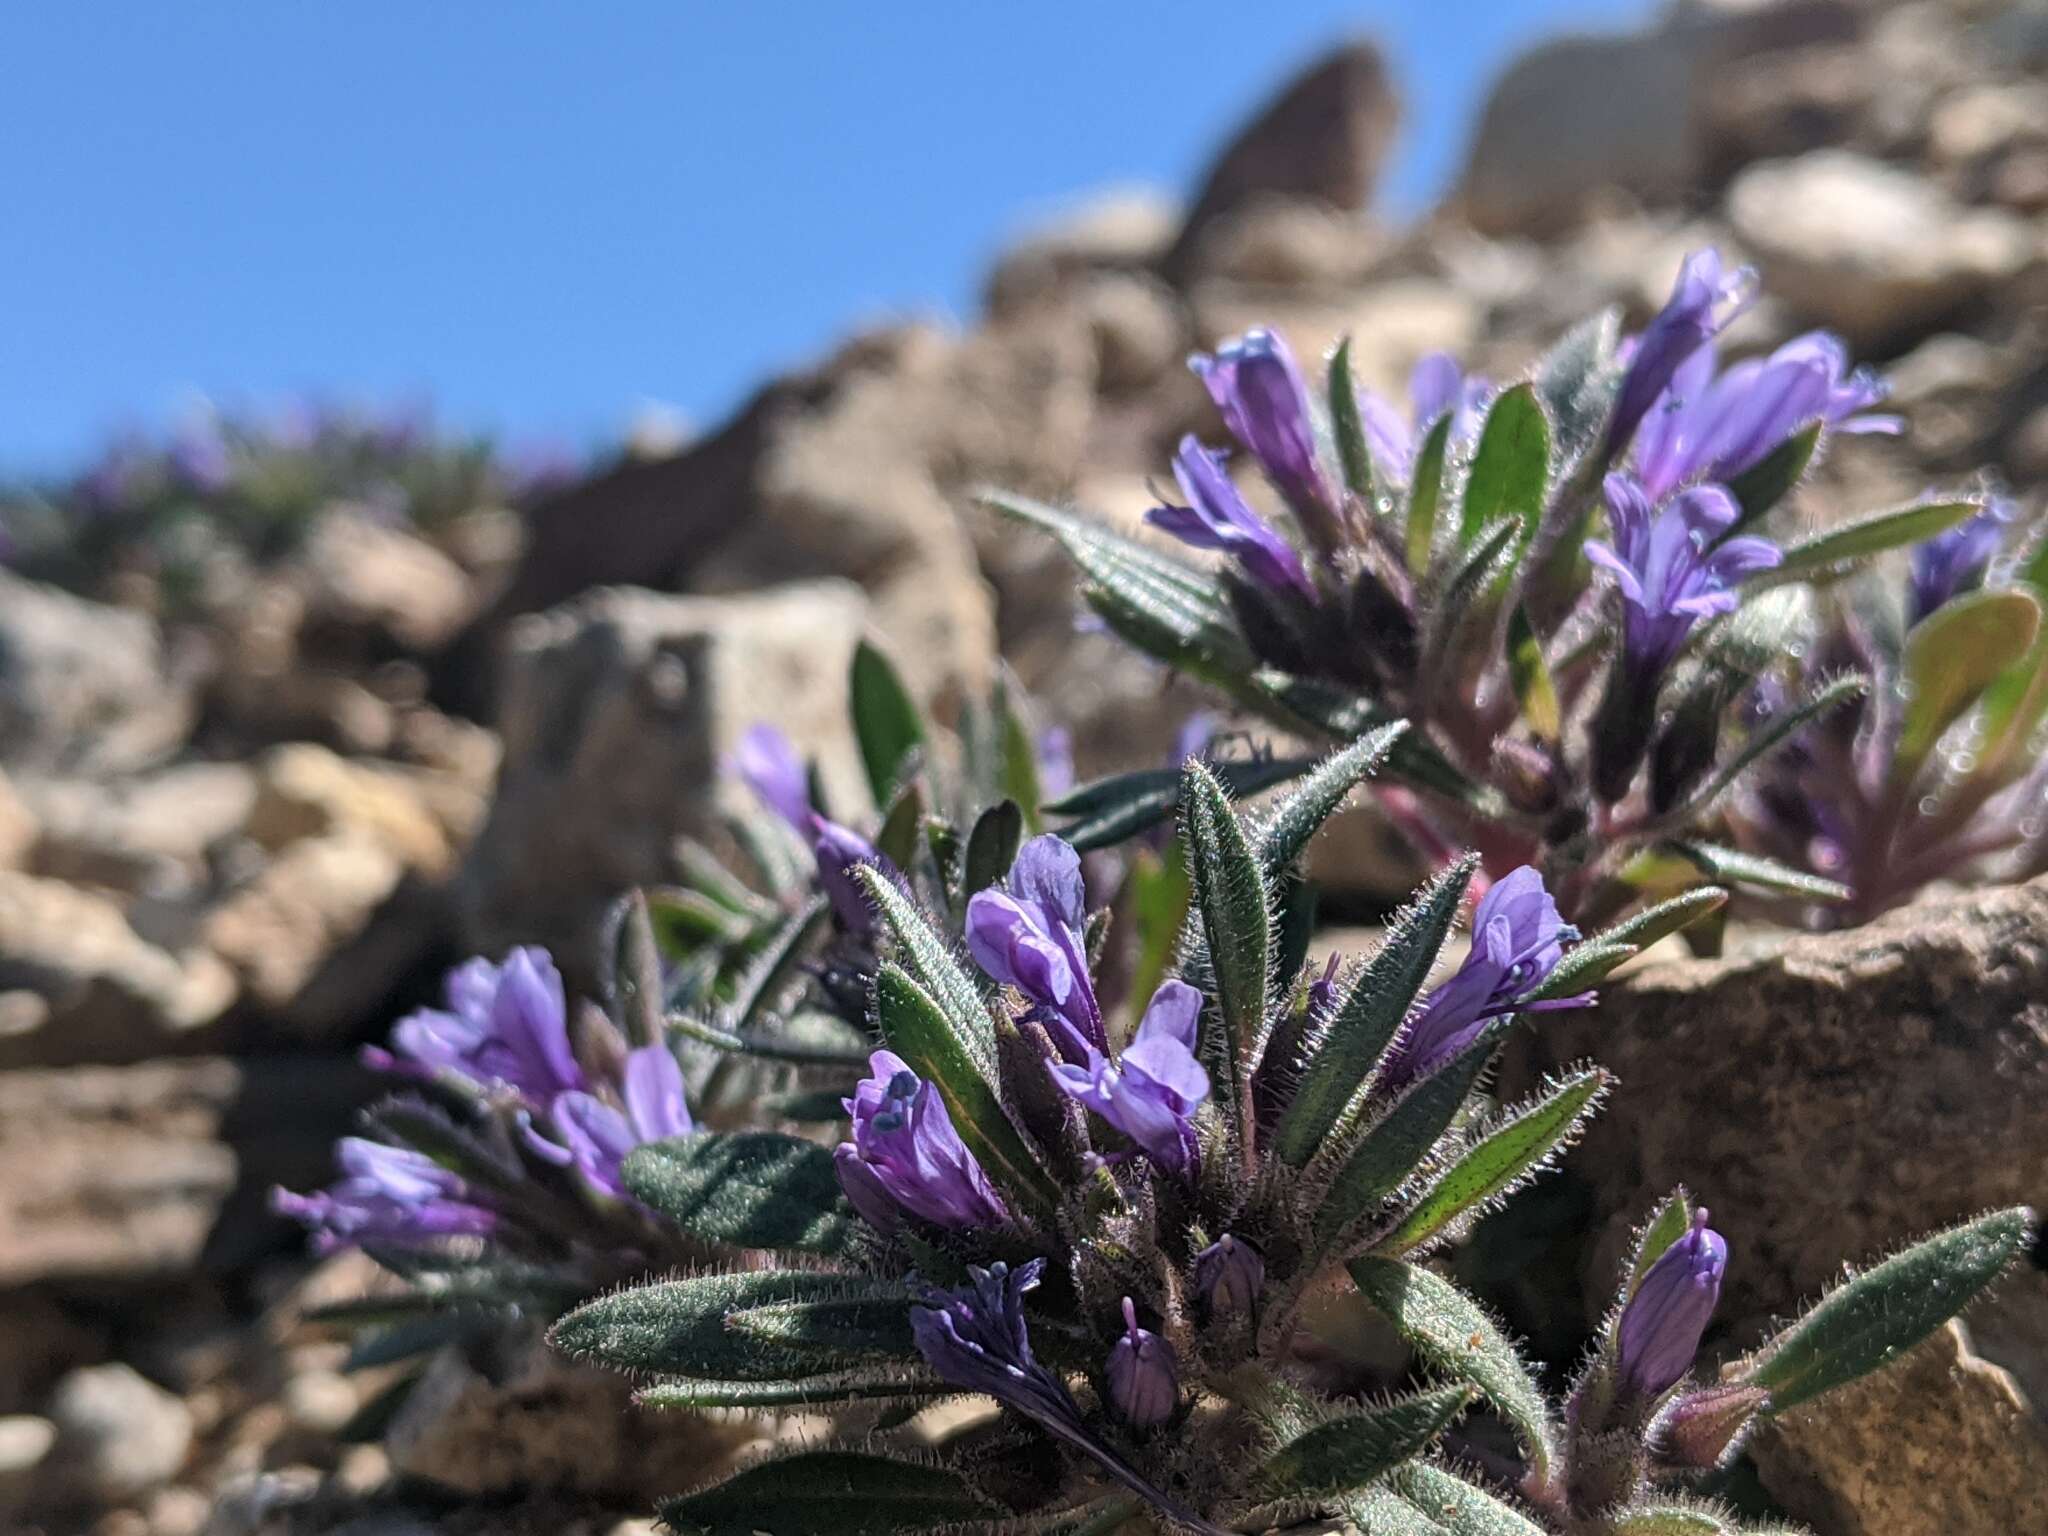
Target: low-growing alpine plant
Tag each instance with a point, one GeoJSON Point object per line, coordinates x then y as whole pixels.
{"type": "Point", "coordinates": [1569, 585]}
{"type": "Point", "coordinates": [1115, 1235]}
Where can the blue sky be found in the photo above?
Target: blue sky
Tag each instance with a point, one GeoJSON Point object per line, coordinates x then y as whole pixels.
{"type": "Point", "coordinates": [538, 217]}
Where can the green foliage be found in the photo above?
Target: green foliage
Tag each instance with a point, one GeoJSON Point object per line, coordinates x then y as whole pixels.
{"type": "Point", "coordinates": [745, 1189]}
{"type": "Point", "coordinates": [851, 1492]}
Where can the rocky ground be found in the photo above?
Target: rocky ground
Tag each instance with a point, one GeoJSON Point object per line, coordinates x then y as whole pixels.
{"type": "Point", "coordinates": [234, 843]}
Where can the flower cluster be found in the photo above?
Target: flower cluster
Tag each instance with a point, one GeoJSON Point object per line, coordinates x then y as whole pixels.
{"type": "Point", "coordinates": [1567, 585]}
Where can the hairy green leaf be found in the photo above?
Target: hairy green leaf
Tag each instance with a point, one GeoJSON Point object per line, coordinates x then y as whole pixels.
{"type": "Point", "coordinates": [749, 1189]}
{"type": "Point", "coordinates": [1733, 867]}
{"type": "Point", "coordinates": [1296, 819]}
{"type": "Point", "coordinates": [1347, 427]}
{"type": "Point", "coordinates": [832, 1493]}
{"type": "Point", "coordinates": [992, 846]}
{"type": "Point", "coordinates": [886, 722]}
{"type": "Point", "coordinates": [1862, 537]}
{"type": "Point", "coordinates": [1457, 1506]}
{"type": "Point", "coordinates": [1764, 484]}
{"type": "Point", "coordinates": [1121, 806]}
{"type": "Point", "coordinates": [1773, 734]}
{"type": "Point", "coordinates": [930, 961]}
{"type": "Point", "coordinates": [1358, 1448]}
{"type": "Point", "coordinates": [1510, 475]}
{"type": "Point", "coordinates": [1951, 657]}
{"type": "Point", "coordinates": [1673, 1520]}
{"type": "Point", "coordinates": [1237, 920]}
{"type": "Point", "coordinates": [1425, 494]}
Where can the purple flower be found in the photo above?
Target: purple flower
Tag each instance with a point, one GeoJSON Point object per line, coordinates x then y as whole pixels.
{"type": "Point", "coordinates": [838, 851]}
{"type": "Point", "coordinates": [1322, 992]}
{"type": "Point", "coordinates": [976, 1339]}
{"type": "Point", "coordinates": [1673, 565]}
{"type": "Point", "coordinates": [1517, 941]}
{"type": "Point", "coordinates": [386, 1195]}
{"type": "Point", "coordinates": [1258, 387]}
{"type": "Point", "coordinates": [1705, 299]}
{"type": "Point", "coordinates": [1218, 517]}
{"type": "Point", "coordinates": [1955, 560]}
{"type": "Point", "coordinates": [504, 1025]}
{"type": "Point", "coordinates": [1152, 1091]}
{"type": "Point", "coordinates": [595, 1136]}
{"type": "Point", "coordinates": [1662, 1323]}
{"type": "Point", "coordinates": [1030, 936]}
{"type": "Point", "coordinates": [1054, 752]}
{"type": "Point", "coordinates": [904, 1148]}
{"type": "Point", "coordinates": [1229, 1274]}
{"type": "Point", "coordinates": [1438, 385]}
{"type": "Point", "coordinates": [1144, 1377]}
{"type": "Point", "coordinates": [200, 460]}
{"type": "Point", "coordinates": [1713, 426]}
{"type": "Point", "coordinates": [769, 764]}
{"type": "Point", "coordinates": [1193, 739]}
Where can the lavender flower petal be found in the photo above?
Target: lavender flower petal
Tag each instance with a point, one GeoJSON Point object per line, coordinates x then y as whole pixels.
{"type": "Point", "coordinates": [1661, 1326]}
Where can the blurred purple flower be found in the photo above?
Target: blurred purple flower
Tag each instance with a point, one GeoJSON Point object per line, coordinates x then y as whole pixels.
{"type": "Point", "coordinates": [1673, 565]}
{"type": "Point", "coordinates": [200, 460]}
{"type": "Point", "coordinates": [768, 762]}
{"type": "Point", "coordinates": [1152, 1091]}
{"type": "Point", "coordinates": [595, 1137]}
{"type": "Point", "coordinates": [1054, 751]}
{"type": "Point", "coordinates": [1517, 940]}
{"type": "Point", "coordinates": [1438, 385]}
{"type": "Point", "coordinates": [1143, 1375]}
{"type": "Point", "coordinates": [1956, 560]}
{"type": "Point", "coordinates": [386, 1195]}
{"type": "Point", "coordinates": [1704, 300]}
{"type": "Point", "coordinates": [1218, 517]}
{"type": "Point", "coordinates": [905, 1150]}
{"type": "Point", "coordinates": [1258, 387]}
{"type": "Point", "coordinates": [1030, 936]}
{"type": "Point", "coordinates": [1661, 1326]}
{"type": "Point", "coordinates": [839, 851]}
{"type": "Point", "coordinates": [504, 1025]}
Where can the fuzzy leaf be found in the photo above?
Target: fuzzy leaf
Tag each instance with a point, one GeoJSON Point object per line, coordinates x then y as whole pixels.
{"type": "Point", "coordinates": [1734, 867]}
{"type": "Point", "coordinates": [1237, 920]}
{"type": "Point", "coordinates": [992, 846]}
{"type": "Point", "coordinates": [919, 1032]}
{"type": "Point", "coordinates": [1425, 493]}
{"type": "Point", "coordinates": [1577, 381]}
{"type": "Point", "coordinates": [1511, 466]}
{"type": "Point", "coordinates": [1501, 1159]}
{"type": "Point", "coordinates": [1865, 536]}
{"type": "Point", "coordinates": [1951, 657]}
{"type": "Point", "coordinates": [1530, 674]}
{"type": "Point", "coordinates": [1365, 1019]}
{"type": "Point", "coordinates": [686, 1327]}
{"type": "Point", "coordinates": [1352, 1451]}
{"type": "Point", "coordinates": [1454, 1335]}
{"type": "Point", "coordinates": [1388, 1154]}
{"type": "Point", "coordinates": [1672, 1520]}
{"type": "Point", "coordinates": [1647, 927]}
{"type": "Point", "coordinates": [831, 1492]}
{"type": "Point", "coordinates": [896, 839]}
{"type": "Point", "coordinates": [1672, 1220]}
{"type": "Point", "coordinates": [1123, 805]}
{"type": "Point", "coordinates": [692, 1394]}
{"type": "Point", "coordinates": [1582, 965]}
{"type": "Point", "coordinates": [886, 722]}
{"type": "Point", "coordinates": [1775, 733]}
{"type": "Point", "coordinates": [749, 1189]}
{"type": "Point", "coordinates": [1159, 893]}
{"type": "Point", "coordinates": [1764, 484]}
{"type": "Point", "coordinates": [1346, 425]}
{"type": "Point", "coordinates": [1871, 1320]}
{"type": "Point", "coordinates": [1300, 816]}
{"type": "Point", "coordinates": [805, 1039]}
{"type": "Point", "coordinates": [772, 970]}
{"type": "Point", "coordinates": [930, 961]}
{"type": "Point", "coordinates": [1456, 1506]}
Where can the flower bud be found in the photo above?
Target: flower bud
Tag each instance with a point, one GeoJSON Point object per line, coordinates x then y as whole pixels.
{"type": "Point", "coordinates": [1703, 1428]}
{"type": "Point", "coordinates": [1229, 1275]}
{"type": "Point", "coordinates": [1144, 1379]}
{"type": "Point", "coordinates": [1662, 1324]}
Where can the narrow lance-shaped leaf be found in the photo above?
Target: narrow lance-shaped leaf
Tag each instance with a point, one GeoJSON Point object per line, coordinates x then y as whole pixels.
{"type": "Point", "coordinates": [1773, 734]}
{"type": "Point", "coordinates": [1764, 484]}
{"type": "Point", "coordinates": [771, 972]}
{"type": "Point", "coordinates": [992, 846]}
{"type": "Point", "coordinates": [1454, 1335]}
{"type": "Point", "coordinates": [1866, 536]}
{"type": "Point", "coordinates": [1673, 1520]}
{"type": "Point", "coordinates": [1577, 382]}
{"type": "Point", "coordinates": [1511, 466]}
{"type": "Point", "coordinates": [1112, 809]}
{"type": "Point", "coordinates": [1951, 657]}
{"type": "Point", "coordinates": [1638, 933]}
{"type": "Point", "coordinates": [1347, 427]}
{"type": "Point", "coordinates": [1425, 493]}
{"type": "Point", "coordinates": [886, 721]}
{"type": "Point", "coordinates": [1456, 1506]}
{"type": "Point", "coordinates": [1672, 1220]}
{"type": "Point", "coordinates": [1231, 898]}
{"type": "Point", "coordinates": [919, 1032]}
{"type": "Point", "coordinates": [748, 1189]}
{"type": "Point", "coordinates": [1365, 1019]}
{"type": "Point", "coordinates": [1732, 866]}
{"type": "Point", "coordinates": [901, 826]}
{"type": "Point", "coordinates": [1354, 1450]}
{"type": "Point", "coordinates": [1499, 1160]}
{"type": "Point", "coordinates": [1880, 1314]}
{"type": "Point", "coordinates": [1296, 819]}
{"type": "Point", "coordinates": [930, 960]}
{"type": "Point", "coordinates": [847, 1493]}
{"type": "Point", "coordinates": [1530, 674]}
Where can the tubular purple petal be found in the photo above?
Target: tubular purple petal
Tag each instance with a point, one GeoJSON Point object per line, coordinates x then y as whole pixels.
{"type": "Point", "coordinates": [1706, 297]}
{"type": "Point", "coordinates": [1218, 517]}
{"type": "Point", "coordinates": [1143, 1375]}
{"type": "Point", "coordinates": [1031, 936]}
{"type": "Point", "coordinates": [1662, 1324]}
{"type": "Point", "coordinates": [1259, 388]}
{"type": "Point", "coordinates": [1152, 1092]}
{"type": "Point", "coordinates": [905, 1141]}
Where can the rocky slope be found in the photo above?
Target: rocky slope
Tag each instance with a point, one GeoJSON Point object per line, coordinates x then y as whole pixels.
{"type": "Point", "coordinates": [231, 848]}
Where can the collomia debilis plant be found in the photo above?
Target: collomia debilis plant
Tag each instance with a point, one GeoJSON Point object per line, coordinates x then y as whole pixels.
{"type": "Point", "coordinates": [1112, 1231]}
{"type": "Point", "coordinates": [1937, 773]}
{"type": "Point", "coordinates": [1568, 585]}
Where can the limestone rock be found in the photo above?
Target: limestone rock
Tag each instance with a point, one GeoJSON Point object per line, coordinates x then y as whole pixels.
{"type": "Point", "coordinates": [1831, 1097]}
{"type": "Point", "coordinates": [619, 711]}
{"type": "Point", "coordinates": [84, 688]}
{"type": "Point", "coordinates": [1117, 232]}
{"type": "Point", "coordinates": [366, 578]}
{"type": "Point", "coordinates": [18, 826]}
{"type": "Point", "coordinates": [151, 832]}
{"type": "Point", "coordinates": [1940, 1443]}
{"type": "Point", "coordinates": [1867, 249]}
{"type": "Point", "coordinates": [79, 983]}
{"type": "Point", "coordinates": [118, 1433]}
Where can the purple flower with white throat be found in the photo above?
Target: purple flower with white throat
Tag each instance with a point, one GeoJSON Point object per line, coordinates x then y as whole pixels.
{"type": "Point", "coordinates": [1704, 300]}
{"type": "Point", "coordinates": [595, 1135]}
{"type": "Point", "coordinates": [1957, 559]}
{"type": "Point", "coordinates": [1438, 386]}
{"type": "Point", "coordinates": [1143, 1375]}
{"type": "Point", "coordinates": [386, 1195]}
{"type": "Point", "coordinates": [1031, 935]}
{"type": "Point", "coordinates": [1661, 1326]}
{"type": "Point", "coordinates": [905, 1155]}
{"type": "Point", "coordinates": [1517, 941]}
{"type": "Point", "coordinates": [976, 1338]}
{"type": "Point", "coordinates": [1673, 565]}
{"type": "Point", "coordinates": [768, 763]}
{"type": "Point", "coordinates": [1713, 425]}
{"type": "Point", "coordinates": [1258, 387]}
{"type": "Point", "coordinates": [506, 1025]}
{"type": "Point", "coordinates": [1152, 1091]}
{"type": "Point", "coordinates": [1218, 517]}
